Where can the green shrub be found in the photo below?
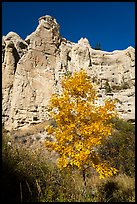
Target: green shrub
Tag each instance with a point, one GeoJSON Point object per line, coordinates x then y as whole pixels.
{"type": "Point", "coordinates": [107, 87]}
{"type": "Point", "coordinates": [123, 126]}
{"type": "Point", "coordinates": [119, 149]}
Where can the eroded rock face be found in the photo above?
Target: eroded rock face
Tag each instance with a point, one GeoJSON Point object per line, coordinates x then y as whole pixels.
{"type": "Point", "coordinates": [32, 70]}
{"type": "Point", "coordinates": [10, 60]}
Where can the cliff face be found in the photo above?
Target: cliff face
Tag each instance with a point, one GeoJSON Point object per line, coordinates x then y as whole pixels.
{"type": "Point", "coordinates": [32, 69]}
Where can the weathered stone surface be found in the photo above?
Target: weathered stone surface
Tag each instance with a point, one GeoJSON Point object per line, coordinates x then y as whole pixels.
{"type": "Point", "coordinates": [32, 70]}
{"type": "Point", "coordinates": [11, 58]}
{"type": "Point", "coordinates": [34, 82]}
{"type": "Point", "coordinates": [19, 44]}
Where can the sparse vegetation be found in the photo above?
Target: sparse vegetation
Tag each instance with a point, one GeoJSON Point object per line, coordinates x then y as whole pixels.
{"type": "Point", "coordinates": [118, 100]}
{"type": "Point", "coordinates": [68, 73]}
{"type": "Point", "coordinates": [107, 87]}
{"type": "Point", "coordinates": [30, 176]}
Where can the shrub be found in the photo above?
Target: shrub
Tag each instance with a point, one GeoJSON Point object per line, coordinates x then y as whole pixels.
{"type": "Point", "coordinates": [120, 148]}
{"type": "Point", "coordinates": [107, 87]}
{"type": "Point", "coordinates": [116, 189]}
{"type": "Point", "coordinates": [28, 175]}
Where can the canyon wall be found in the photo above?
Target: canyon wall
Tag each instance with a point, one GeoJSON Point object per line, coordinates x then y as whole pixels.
{"type": "Point", "coordinates": [32, 70]}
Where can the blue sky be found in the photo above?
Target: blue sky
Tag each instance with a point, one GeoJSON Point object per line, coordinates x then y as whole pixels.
{"type": "Point", "coordinates": [112, 24]}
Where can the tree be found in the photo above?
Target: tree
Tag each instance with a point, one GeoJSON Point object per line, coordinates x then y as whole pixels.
{"type": "Point", "coordinates": [81, 125]}
{"type": "Point", "coordinates": [98, 46]}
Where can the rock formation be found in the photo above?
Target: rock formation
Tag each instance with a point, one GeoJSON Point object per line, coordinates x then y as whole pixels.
{"type": "Point", "coordinates": [32, 69]}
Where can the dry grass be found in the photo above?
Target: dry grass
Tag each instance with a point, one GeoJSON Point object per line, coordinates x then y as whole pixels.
{"type": "Point", "coordinates": [125, 182]}
{"type": "Point", "coordinates": [120, 188]}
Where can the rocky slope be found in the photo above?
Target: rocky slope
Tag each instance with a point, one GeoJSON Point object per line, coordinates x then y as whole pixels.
{"type": "Point", "coordinates": [32, 69]}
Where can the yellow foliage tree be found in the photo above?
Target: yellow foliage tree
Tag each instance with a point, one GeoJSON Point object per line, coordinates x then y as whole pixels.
{"type": "Point", "coordinates": [81, 125]}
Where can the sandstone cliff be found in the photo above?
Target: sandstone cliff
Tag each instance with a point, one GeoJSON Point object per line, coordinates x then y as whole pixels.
{"type": "Point", "coordinates": [32, 69]}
